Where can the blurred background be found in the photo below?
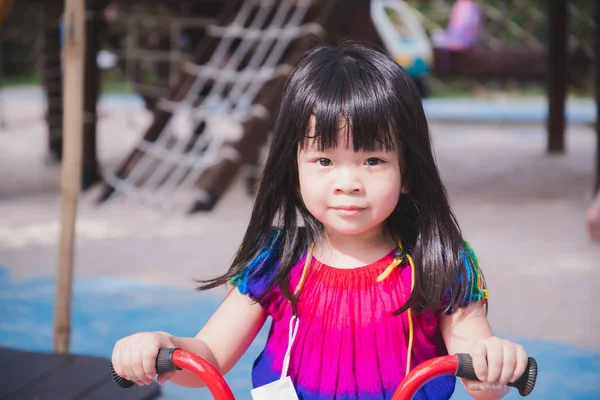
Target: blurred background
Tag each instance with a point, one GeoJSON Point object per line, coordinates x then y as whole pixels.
{"type": "Point", "coordinates": [178, 103]}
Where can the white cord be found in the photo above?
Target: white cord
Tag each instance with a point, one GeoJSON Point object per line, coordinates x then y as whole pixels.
{"type": "Point", "coordinates": [291, 337]}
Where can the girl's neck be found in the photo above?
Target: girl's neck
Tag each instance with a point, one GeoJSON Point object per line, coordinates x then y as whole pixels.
{"type": "Point", "coordinates": [353, 251]}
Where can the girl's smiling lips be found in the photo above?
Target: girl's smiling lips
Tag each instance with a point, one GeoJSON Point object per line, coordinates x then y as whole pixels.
{"type": "Point", "coordinates": [348, 211]}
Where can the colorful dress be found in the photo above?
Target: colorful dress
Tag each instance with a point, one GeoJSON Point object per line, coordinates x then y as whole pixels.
{"type": "Point", "coordinates": [349, 344]}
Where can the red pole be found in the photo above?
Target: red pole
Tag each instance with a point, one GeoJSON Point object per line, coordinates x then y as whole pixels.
{"type": "Point", "coordinates": [204, 370]}
{"type": "Point", "coordinates": [424, 373]}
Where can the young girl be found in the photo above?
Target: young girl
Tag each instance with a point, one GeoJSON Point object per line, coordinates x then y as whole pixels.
{"type": "Point", "coordinates": [378, 278]}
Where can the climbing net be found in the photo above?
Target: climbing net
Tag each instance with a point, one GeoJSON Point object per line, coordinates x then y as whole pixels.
{"type": "Point", "coordinates": [210, 116]}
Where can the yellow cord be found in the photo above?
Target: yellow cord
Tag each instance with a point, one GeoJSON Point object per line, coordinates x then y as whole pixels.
{"type": "Point", "coordinates": [305, 270]}
{"type": "Point", "coordinates": [385, 274]}
{"type": "Point", "coordinates": [389, 269]}
{"type": "Point", "coordinates": [397, 261]}
{"type": "Point", "coordinates": [410, 322]}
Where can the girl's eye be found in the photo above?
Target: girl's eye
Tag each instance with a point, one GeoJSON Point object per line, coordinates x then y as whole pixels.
{"type": "Point", "coordinates": [374, 161]}
{"type": "Point", "coordinates": [324, 162]}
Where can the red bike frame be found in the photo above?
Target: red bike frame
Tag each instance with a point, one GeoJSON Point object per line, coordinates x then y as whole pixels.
{"type": "Point", "coordinates": [446, 365]}
{"type": "Point", "coordinates": [410, 385]}
{"type": "Point", "coordinates": [204, 370]}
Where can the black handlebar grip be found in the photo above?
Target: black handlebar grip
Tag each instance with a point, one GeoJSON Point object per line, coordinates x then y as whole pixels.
{"type": "Point", "coordinates": [119, 380]}
{"type": "Point", "coordinates": [524, 384]}
{"type": "Point", "coordinates": [164, 363]}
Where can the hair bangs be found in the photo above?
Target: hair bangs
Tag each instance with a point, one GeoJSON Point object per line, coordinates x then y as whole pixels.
{"type": "Point", "coordinates": [354, 106]}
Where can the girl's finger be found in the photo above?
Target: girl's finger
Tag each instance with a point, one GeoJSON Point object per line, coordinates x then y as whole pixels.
{"type": "Point", "coordinates": [495, 361]}
{"type": "Point", "coordinates": [509, 356]}
{"type": "Point", "coordinates": [137, 370]}
{"type": "Point", "coordinates": [478, 353]}
{"type": "Point", "coordinates": [126, 371]}
{"type": "Point", "coordinates": [149, 354]}
{"type": "Point", "coordinates": [474, 385]}
{"type": "Point", "coordinates": [521, 363]}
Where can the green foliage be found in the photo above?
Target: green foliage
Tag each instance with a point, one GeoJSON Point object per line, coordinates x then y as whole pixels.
{"type": "Point", "coordinates": [519, 22]}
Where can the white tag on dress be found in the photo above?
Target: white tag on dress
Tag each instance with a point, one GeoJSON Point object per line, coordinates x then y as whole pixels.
{"type": "Point", "coordinates": [282, 389]}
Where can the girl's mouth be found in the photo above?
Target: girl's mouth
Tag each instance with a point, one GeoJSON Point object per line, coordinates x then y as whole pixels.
{"type": "Point", "coordinates": [348, 211]}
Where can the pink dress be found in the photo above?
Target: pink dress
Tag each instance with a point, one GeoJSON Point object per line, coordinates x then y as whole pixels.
{"type": "Point", "coordinates": [349, 344]}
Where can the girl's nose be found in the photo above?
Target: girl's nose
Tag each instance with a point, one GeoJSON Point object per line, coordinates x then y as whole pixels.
{"type": "Point", "coordinates": [347, 182]}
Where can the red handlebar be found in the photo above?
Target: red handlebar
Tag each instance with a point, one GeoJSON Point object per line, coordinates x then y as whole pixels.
{"type": "Point", "coordinates": [446, 365]}
{"type": "Point", "coordinates": [458, 365]}
{"type": "Point", "coordinates": [203, 369]}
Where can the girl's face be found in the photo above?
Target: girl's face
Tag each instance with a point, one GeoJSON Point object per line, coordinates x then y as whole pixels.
{"type": "Point", "coordinates": [349, 192]}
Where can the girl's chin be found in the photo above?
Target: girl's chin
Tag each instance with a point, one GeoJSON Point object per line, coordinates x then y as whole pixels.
{"type": "Point", "coordinates": [350, 229]}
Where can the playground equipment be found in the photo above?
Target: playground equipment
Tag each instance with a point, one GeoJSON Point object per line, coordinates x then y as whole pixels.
{"type": "Point", "coordinates": [405, 39]}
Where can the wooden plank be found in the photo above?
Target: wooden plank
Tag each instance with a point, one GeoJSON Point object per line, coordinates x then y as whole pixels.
{"type": "Point", "coordinates": [20, 369]}
{"type": "Point", "coordinates": [7, 355]}
{"type": "Point", "coordinates": [557, 76]}
{"type": "Point", "coordinates": [506, 62]}
{"type": "Point", "coordinates": [73, 376]}
{"type": "Point", "coordinates": [499, 62]}
{"type": "Point", "coordinates": [109, 390]}
{"type": "Point", "coordinates": [81, 377]}
{"type": "Point", "coordinates": [44, 376]}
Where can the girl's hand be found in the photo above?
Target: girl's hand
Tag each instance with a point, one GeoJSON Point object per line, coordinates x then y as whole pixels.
{"type": "Point", "coordinates": [134, 357]}
{"type": "Point", "coordinates": [496, 362]}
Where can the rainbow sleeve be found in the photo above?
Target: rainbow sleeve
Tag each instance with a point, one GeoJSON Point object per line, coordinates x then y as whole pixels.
{"type": "Point", "coordinates": [477, 291]}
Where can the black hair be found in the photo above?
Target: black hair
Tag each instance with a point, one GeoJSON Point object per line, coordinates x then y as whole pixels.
{"type": "Point", "coordinates": [379, 98]}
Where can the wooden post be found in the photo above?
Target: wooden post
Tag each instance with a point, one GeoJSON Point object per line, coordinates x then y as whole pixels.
{"type": "Point", "coordinates": [73, 51]}
{"type": "Point", "coordinates": [94, 27]}
{"type": "Point", "coordinates": [557, 75]}
{"type": "Point", "coordinates": [5, 6]}
{"type": "Point", "coordinates": [52, 78]}
{"type": "Point", "coordinates": [597, 65]}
